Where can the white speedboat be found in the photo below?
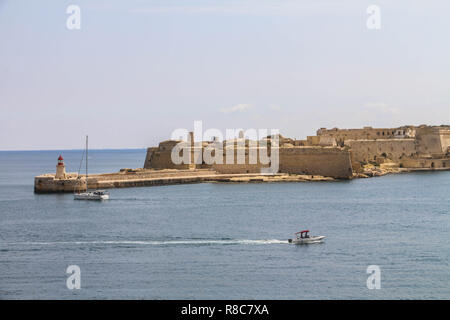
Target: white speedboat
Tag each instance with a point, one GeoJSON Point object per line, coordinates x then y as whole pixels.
{"type": "Point", "coordinates": [302, 237]}
{"type": "Point", "coordinates": [92, 195]}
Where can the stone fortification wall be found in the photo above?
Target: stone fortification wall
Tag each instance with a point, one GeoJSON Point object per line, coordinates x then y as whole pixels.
{"type": "Point", "coordinates": [425, 163]}
{"type": "Point", "coordinates": [324, 161]}
{"type": "Point", "coordinates": [367, 133]}
{"type": "Point", "coordinates": [160, 158]}
{"type": "Point", "coordinates": [445, 140]}
{"type": "Point", "coordinates": [323, 141]}
{"type": "Point", "coordinates": [311, 156]}
{"type": "Point", "coordinates": [370, 150]}
{"type": "Point", "coordinates": [246, 167]}
{"type": "Point", "coordinates": [433, 140]}
{"type": "Point", "coordinates": [329, 162]}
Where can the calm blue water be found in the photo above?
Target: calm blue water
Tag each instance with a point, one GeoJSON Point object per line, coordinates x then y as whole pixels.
{"type": "Point", "coordinates": [221, 241]}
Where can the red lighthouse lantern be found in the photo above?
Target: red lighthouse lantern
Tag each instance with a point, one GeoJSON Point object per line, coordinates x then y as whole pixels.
{"type": "Point", "coordinates": [60, 169]}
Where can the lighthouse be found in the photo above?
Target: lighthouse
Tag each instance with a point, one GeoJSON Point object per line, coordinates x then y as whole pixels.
{"type": "Point", "coordinates": [60, 169]}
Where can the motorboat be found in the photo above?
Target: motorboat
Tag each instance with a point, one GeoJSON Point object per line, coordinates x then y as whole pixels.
{"type": "Point", "coordinates": [92, 195]}
{"type": "Point", "coordinates": [302, 237]}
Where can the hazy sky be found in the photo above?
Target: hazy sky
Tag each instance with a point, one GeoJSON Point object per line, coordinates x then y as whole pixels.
{"type": "Point", "coordinates": [137, 70]}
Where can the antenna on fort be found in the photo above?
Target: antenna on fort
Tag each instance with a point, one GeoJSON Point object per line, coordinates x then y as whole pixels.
{"type": "Point", "coordinates": [192, 165]}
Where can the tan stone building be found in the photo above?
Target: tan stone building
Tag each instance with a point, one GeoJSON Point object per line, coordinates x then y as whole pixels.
{"type": "Point", "coordinates": [408, 146]}
{"type": "Point", "coordinates": [333, 152]}
{"type": "Point", "coordinates": [330, 161]}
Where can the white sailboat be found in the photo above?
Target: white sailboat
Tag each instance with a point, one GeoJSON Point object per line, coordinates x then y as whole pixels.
{"type": "Point", "coordinates": [93, 194]}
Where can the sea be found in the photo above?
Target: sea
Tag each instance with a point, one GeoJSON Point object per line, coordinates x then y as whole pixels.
{"type": "Point", "coordinates": [386, 237]}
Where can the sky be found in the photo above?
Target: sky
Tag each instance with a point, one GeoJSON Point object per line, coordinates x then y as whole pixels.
{"type": "Point", "coordinates": [137, 70]}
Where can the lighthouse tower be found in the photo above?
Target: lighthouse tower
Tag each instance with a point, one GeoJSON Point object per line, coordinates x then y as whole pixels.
{"type": "Point", "coordinates": [60, 169]}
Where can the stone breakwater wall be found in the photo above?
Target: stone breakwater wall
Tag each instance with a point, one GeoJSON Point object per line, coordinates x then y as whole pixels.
{"type": "Point", "coordinates": [142, 178]}
{"type": "Point", "coordinates": [128, 178]}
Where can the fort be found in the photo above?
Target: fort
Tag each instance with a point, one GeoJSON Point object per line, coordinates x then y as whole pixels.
{"type": "Point", "coordinates": [331, 154]}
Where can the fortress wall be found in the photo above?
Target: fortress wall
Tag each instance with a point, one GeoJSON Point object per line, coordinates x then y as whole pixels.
{"type": "Point", "coordinates": [370, 150]}
{"type": "Point", "coordinates": [157, 158]}
{"type": "Point", "coordinates": [429, 141]}
{"type": "Point", "coordinates": [326, 141]}
{"type": "Point", "coordinates": [235, 167]}
{"type": "Point", "coordinates": [302, 143]}
{"type": "Point", "coordinates": [324, 161]}
{"type": "Point", "coordinates": [148, 157]}
{"type": "Point", "coordinates": [323, 141]}
{"type": "Point", "coordinates": [357, 134]}
{"type": "Point", "coordinates": [423, 163]}
{"type": "Point", "coordinates": [328, 162]}
{"type": "Point", "coordinates": [367, 133]}
{"type": "Point", "coordinates": [312, 140]}
{"type": "Point", "coordinates": [445, 140]}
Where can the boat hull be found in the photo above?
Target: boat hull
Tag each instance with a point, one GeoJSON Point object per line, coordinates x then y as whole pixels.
{"type": "Point", "coordinates": [90, 196]}
{"type": "Point", "coordinates": [310, 240]}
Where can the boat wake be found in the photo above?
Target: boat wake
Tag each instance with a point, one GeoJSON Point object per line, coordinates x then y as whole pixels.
{"type": "Point", "coordinates": [157, 243]}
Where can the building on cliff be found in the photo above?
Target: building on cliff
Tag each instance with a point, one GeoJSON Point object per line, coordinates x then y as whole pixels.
{"type": "Point", "coordinates": [332, 153]}
{"type": "Point", "coordinates": [329, 161]}
{"type": "Point", "coordinates": [337, 153]}
{"type": "Point", "coordinates": [422, 147]}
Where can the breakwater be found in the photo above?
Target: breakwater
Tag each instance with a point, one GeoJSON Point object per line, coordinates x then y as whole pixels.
{"type": "Point", "coordinates": [48, 183]}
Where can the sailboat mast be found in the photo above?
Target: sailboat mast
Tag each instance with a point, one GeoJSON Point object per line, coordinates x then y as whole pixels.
{"type": "Point", "coordinates": [86, 163]}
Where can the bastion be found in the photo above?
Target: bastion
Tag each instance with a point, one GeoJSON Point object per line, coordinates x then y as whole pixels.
{"type": "Point", "coordinates": [329, 155]}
